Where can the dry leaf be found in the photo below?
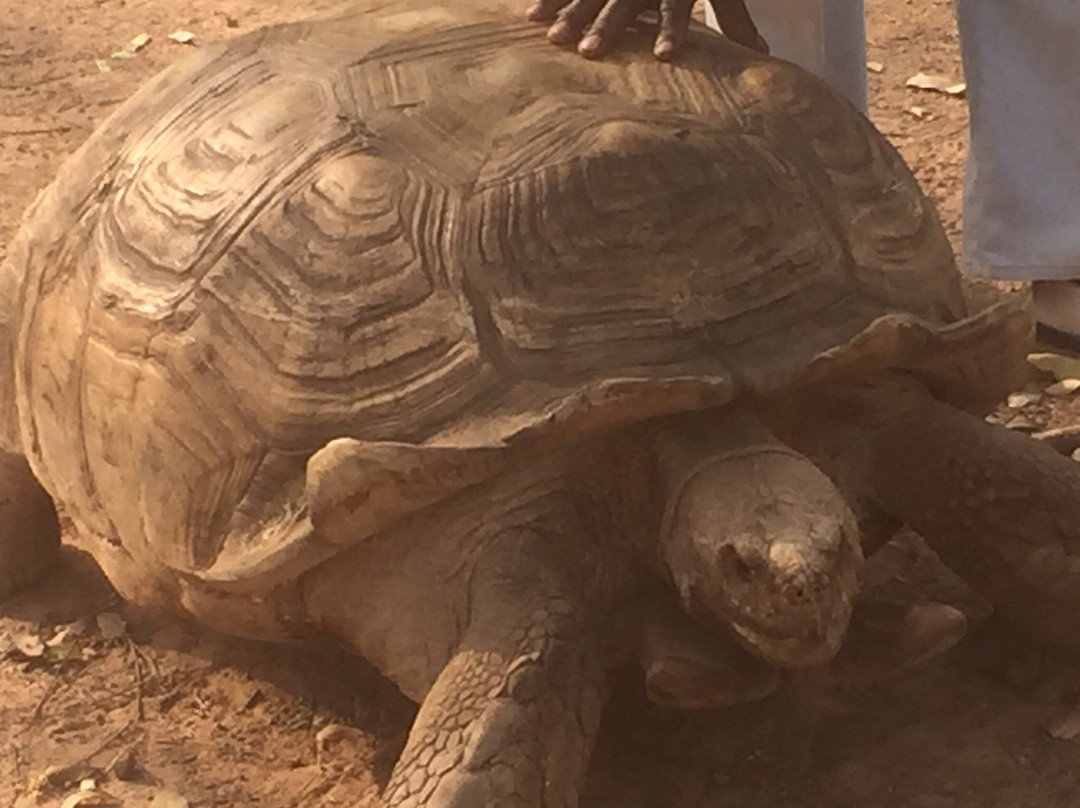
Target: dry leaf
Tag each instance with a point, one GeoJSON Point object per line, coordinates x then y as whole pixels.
{"type": "Point", "coordinates": [334, 732]}
{"type": "Point", "coordinates": [1066, 387]}
{"type": "Point", "coordinates": [938, 84]}
{"type": "Point", "coordinates": [925, 81]}
{"type": "Point", "coordinates": [168, 799]}
{"type": "Point", "coordinates": [183, 37]}
{"type": "Point", "coordinates": [1022, 424]}
{"type": "Point", "coordinates": [68, 633]}
{"type": "Point", "coordinates": [90, 798]}
{"type": "Point", "coordinates": [875, 67]}
{"type": "Point", "coordinates": [103, 65]}
{"type": "Point", "coordinates": [111, 625]}
{"type": "Point", "coordinates": [134, 45]}
{"type": "Point", "coordinates": [63, 778]}
{"type": "Point", "coordinates": [64, 652]}
{"type": "Point", "coordinates": [1058, 365]}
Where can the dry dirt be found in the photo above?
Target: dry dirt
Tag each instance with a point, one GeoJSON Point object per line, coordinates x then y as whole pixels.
{"type": "Point", "coordinates": [160, 707]}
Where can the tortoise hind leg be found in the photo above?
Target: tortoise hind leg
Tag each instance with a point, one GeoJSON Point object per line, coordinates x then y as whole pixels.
{"type": "Point", "coordinates": [1001, 509]}
{"type": "Point", "coordinates": [510, 721]}
{"type": "Point", "coordinates": [29, 529]}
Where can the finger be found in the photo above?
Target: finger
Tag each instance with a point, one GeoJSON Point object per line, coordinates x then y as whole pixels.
{"type": "Point", "coordinates": [736, 23]}
{"type": "Point", "coordinates": [674, 23]}
{"type": "Point", "coordinates": [572, 21]}
{"type": "Point", "coordinates": [545, 10]}
{"type": "Point", "coordinates": [615, 17]}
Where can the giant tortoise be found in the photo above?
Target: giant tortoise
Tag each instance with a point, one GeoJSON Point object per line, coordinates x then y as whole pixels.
{"type": "Point", "coordinates": [402, 325]}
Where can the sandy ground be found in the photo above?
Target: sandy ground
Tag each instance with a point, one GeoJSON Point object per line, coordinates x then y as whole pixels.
{"type": "Point", "coordinates": [152, 710]}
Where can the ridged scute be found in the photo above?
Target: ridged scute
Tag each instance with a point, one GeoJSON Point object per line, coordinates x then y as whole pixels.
{"type": "Point", "coordinates": [431, 227]}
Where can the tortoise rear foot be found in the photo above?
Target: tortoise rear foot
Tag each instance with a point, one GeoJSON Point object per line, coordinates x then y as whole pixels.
{"type": "Point", "coordinates": [29, 529]}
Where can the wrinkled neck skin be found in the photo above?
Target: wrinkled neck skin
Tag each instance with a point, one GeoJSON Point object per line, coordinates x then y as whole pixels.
{"type": "Point", "coordinates": [756, 539]}
{"type": "Point", "coordinates": [832, 423]}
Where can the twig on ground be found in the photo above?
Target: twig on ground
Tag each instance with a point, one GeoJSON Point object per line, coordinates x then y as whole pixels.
{"type": "Point", "coordinates": [139, 659]}
{"type": "Point", "coordinates": [61, 681]}
{"type": "Point", "coordinates": [16, 767]}
{"type": "Point", "coordinates": [101, 747]}
{"type": "Point", "coordinates": [54, 685]}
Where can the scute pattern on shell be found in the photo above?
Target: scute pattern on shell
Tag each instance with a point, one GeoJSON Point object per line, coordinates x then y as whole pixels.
{"type": "Point", "coordinates": [434, 228]}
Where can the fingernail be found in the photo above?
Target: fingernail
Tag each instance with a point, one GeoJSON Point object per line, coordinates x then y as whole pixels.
{"type": "Point", "coordinates": [589, 45]}
{"type": "Point", "coordinates": [559, 33]}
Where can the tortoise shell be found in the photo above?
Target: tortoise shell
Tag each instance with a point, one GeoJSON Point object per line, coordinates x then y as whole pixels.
{"type": "Point", "coordinates": [433, 235]}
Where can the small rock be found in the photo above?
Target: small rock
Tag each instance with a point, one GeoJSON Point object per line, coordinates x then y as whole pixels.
{"type": "Point", "coordinates": [125, 767]}
{"type": "Point", "coordinates": [1018, 400]}
{"type": "Point", "coordinates": [257, 697]}
{"type": "Point", "coordinates": [111, 625]}
{"type": "Point", "coordinates": [1075, 455]}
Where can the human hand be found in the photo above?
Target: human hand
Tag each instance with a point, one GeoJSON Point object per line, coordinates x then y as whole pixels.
{"type": "Point", "coordinates": [595, 25]}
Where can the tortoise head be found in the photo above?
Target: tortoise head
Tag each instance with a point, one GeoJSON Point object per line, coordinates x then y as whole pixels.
{"type": "Point", "coordinates": [759, 541]}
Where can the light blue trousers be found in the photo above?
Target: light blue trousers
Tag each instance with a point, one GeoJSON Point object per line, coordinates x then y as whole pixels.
{"type": "Point", "coordinates": [1022, 67]}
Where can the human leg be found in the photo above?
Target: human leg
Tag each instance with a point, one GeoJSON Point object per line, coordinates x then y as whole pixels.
{"type": "Point", "coordinates": [1022, 184]}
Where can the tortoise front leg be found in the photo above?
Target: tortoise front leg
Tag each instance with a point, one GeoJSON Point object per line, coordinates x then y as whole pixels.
{"type": "Point", "coordinates": [1000, 509]}
{"type": "Point", "coordinates": [29, 530]}
{"type": "Point", "coordinates": [510, 721]}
